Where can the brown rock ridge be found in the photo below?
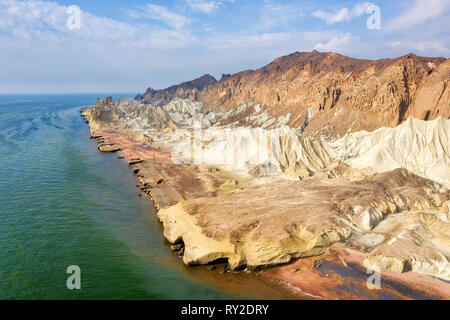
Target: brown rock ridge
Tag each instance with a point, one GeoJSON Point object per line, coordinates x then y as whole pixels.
{"type": "Point", "coordinates": [348, 93]}
{"type": "Point", "coordinates": [185, 90]}
{"type": "Point", "coordinates": [433, 94]}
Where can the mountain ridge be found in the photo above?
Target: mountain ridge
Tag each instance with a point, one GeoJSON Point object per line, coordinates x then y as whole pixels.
{"type": "Point", "coordinates": [373, 93]}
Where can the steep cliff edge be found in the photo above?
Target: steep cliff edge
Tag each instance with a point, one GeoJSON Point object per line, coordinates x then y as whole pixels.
{"type": "Point", "coordinates": [186, 90]}
{"type": "Point", "coordinates": [433, 94]}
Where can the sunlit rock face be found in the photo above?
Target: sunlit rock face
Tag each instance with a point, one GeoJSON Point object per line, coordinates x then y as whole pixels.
{"type": "Point", "coordinates": [349, 94]}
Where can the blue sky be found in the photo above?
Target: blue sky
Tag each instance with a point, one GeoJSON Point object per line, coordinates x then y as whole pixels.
{"type": "Point", "coordinates": [127, 46]}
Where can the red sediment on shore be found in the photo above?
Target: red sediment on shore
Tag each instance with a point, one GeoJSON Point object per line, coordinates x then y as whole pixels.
{"type": "Point", "coordinates": [165, 181]}
{"type": "Point", "coordinates": [340, 274]}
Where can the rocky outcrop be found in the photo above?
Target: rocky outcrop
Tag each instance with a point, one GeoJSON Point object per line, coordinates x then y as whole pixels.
{"type": "Point", "coordinates": [186, 90]}
{"type": "Point", "coordinates": [422, 147]}
{"type": "Point", "coordinates": [417, 242]}
{"type": "Point", "coordinates": [109, 102]}
{"type": "Point", "coordinates": [433, 95]}
{"type": "Point", "coordinates": [349, 94]}
{"type": "Point", "coordinates": [271, 221]}
{"type": "Point", "coordinates": [104, 102]}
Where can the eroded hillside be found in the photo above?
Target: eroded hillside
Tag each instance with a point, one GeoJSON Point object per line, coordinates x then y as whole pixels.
{"type": "Point", "coordinates": [349, 94]}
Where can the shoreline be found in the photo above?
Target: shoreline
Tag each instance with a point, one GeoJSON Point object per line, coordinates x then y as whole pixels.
{"type": "Point", "coordinates": [166, 185]}
{"type": "Point", "coordinates": [128, 149]}
{"type": "Point", "coordinates": [343, 276]}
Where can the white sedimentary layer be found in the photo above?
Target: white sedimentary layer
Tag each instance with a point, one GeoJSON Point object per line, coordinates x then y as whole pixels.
{"type": "Point", "coordinates": [271, 151]}
{"type": "Point", "coordinates": [422, 147]}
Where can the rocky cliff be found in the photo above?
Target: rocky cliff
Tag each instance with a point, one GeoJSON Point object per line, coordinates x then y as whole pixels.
{"type": "Point", "coordinates": [348, 94]}
{"type": "Point", "coordinates": [185, 90]}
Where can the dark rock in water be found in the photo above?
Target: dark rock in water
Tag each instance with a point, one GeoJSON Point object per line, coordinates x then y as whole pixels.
{"type": "Point", "coordinates": [226, 268]}
{"type": "Point", "coordinates": [120, 157]}
{"type": "Point", "coordinates": [134, 161]}
{"type": "Point", "coordinates": [254, 269]}
{"type": "Point", "coordinates": [181, 252]}
{"type": "Point", "coordinates": [135, 171]}
{"type": "Point", "coordinates": [211, 268]}
{"type": "Point", "coordinates": [177, 247]}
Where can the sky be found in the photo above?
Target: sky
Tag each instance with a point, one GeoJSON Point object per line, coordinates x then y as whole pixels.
{"type": "Point", "coordinates": [93, 46]}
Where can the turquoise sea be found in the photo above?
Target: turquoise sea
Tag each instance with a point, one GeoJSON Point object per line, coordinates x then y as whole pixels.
{"type": "Point", "coordinates": [64, 203]}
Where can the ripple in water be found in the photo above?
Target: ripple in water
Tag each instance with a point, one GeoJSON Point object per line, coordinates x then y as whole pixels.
{"type": "Point", "coordinates": [64, 203]}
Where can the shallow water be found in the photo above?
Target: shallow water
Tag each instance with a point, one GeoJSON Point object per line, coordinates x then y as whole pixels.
{"type": "Point", "coordinates": [64, 203]}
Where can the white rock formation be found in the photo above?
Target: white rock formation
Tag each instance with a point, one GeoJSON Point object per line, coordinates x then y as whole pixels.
{"type": "Point", "coordinates": [422, 147]}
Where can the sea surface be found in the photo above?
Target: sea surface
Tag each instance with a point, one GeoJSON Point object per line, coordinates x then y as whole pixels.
{"type": "Point", "coordinates": [64, 203]}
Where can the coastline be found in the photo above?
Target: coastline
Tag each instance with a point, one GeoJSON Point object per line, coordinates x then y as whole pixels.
{"type": "Point", "coordinates": [166, 185]}
{"type": "Point", "coordinates": [147, 186]}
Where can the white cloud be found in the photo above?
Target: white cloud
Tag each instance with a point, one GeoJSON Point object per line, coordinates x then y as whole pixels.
{"type": "Point", "coordinates": [19, 15]}
{"type": "Point", "coordinates": [276, 15]}
{"type": "Point", "coordinates": [252, 40]}
{"type": "Point", "coordinates": [422, 47]}
{"type": "Point", "coordinates": [46, 21]}
{"type": "Point", "coordinates": [204, 6]}
{"type": "Point", "coordinates": [418, 13]}
{"type": "Point", "coordinates": [269, 40]}
{"type": "Point", "coordinates": [337, 43]}
{"type": "Point", "coordinates": [435, 46]}
{"type": "Point", "coordinates": [44, 55]}
{"type": "Point", "coordinates": [343, 14]}
{"type": "Point", "coordinates": [338, 16]}
{"type": "Point", "coordinates": [170, 18]}
{"type": "Point", "coordinates": [109, 55]}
